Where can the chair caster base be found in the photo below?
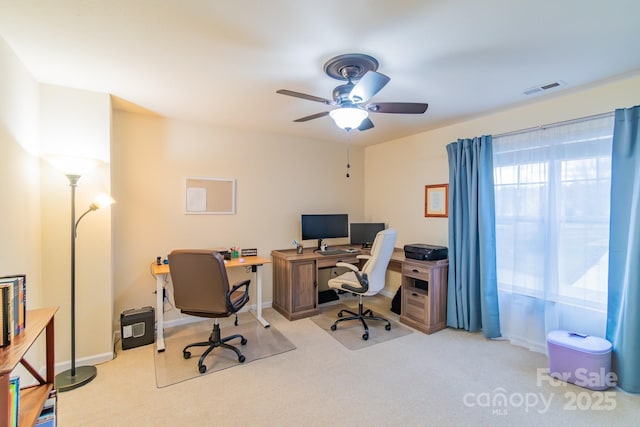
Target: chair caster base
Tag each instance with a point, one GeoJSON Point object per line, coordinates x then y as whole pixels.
{"type": "Point", "coordinates": [361, 315]}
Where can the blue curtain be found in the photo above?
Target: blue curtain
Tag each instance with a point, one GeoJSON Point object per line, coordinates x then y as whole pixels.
{"type": "Point", "coordinates": [472, 302]}
{"type": "Point", "coordinates": [623, 312]}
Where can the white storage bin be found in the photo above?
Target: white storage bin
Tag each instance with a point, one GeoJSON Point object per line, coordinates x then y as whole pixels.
{"type": "Point", "coordinates": [580, 359]}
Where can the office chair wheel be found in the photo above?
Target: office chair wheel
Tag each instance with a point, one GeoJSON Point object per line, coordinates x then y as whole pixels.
{"type": "Point", "coordinates": [334, 327]}
{"type": "Point", "coordinates": [365, 336]}
{"type": "Point", "coordinates": [202, 369]}
{"type": "Point", "coordinates": [387, 327]}
{"type": "Point", "coordinates": [186, 354]}
{"type": "Point", "coordinates": [241, 358]}
{"type": "Point", "coordinates": [243, 341]}
{"type": "Point", "coordinates": [340, 314]}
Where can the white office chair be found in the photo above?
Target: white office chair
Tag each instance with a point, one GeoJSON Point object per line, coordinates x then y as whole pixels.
{"type": "Point", "coordinates": [368, 281]}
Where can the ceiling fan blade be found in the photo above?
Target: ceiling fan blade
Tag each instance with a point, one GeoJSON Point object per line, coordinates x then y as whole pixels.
{"type": "Point", "coordinates": [367, 86]}
{"type": "Point", "coordinates": [304, 96]}
{"type": "Point", "coordinates": [366, 124]}
{"type": "Point", "coordinates": [398, 107]}
{"type": "Point", "coordinates": [311, 117]}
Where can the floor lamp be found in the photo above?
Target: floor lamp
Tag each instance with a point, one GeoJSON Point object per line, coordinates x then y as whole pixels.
{"type": "Point", "coordinates": [77, 376]}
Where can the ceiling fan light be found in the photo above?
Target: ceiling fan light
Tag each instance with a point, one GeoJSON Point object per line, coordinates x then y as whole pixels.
{"type": "Point", "coordinates": [348, 117]}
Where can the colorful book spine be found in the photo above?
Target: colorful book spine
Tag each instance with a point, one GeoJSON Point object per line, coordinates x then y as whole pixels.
{"type": "Point", "coordinates": [16, 307]}
{"type": "Point", "coordinates": [22, 304]}
{"type": "Point", "coordinates": [5, 331]}
{"type": "Point", "coordinates": [10, 310]}
{"type": "Point", "coordinates": [14, 398]}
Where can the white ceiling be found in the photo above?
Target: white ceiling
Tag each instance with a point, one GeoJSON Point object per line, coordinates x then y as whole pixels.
{"type": "Point", "coordinates": [221, 62]}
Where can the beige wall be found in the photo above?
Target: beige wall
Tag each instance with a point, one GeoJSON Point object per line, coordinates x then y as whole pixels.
{"type": "Point", "coordinates": [77, 123]}
{"type": "Point", "coordinates": [20, 245]}
{"type": "Point", "coordinates": [35, 217]}
{"type": "Point", "coordinates": [277, 179]}
{"type": "Point", "coordinates": [397, 171]}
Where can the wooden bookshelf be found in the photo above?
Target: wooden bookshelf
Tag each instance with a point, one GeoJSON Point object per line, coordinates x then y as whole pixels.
{"type": "Point", "coordinates": [31, 398]}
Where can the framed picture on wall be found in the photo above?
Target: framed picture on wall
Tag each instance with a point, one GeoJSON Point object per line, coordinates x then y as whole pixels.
{"type": "Point", "coordinates": [436, 200]}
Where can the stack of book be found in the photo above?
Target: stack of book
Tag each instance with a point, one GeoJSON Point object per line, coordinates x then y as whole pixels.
{"type": "Point", "coordinates": [49, 412]}
{"type": "Point", "coordinates": [13, 307]}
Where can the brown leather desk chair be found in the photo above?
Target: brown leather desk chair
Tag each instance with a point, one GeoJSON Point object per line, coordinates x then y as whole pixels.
{"type": "Point", "coordinates": [201, 288]}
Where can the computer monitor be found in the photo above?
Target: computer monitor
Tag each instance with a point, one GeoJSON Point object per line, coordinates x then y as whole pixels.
{"type": "Point", "coordinates": [364, 233]}
{"type": "Point", "coordinates": [324, 226]}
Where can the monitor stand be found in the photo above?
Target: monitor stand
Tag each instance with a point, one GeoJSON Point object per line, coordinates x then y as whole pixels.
{"type": "Point", "coordinates": [366, 245]}
{"type": "Point", "coordinates": [319, 245]}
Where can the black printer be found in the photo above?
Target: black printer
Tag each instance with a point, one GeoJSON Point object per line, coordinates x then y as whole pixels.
{"type": "Point", "coordinates": [424, 252]}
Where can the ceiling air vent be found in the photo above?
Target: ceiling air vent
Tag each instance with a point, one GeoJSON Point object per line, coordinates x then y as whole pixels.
{"type": "Point", "coordinates": [544, 87]}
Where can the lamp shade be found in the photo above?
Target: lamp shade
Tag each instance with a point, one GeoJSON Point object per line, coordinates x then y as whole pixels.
{"type": "Point", "coordinates": [70, 165]}
{"type": "Point", "coordinates": [102, 200]}
{"type": "Point", "coordinates": [348, 117]}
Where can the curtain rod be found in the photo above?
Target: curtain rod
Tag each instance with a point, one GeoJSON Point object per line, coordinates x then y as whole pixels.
{"type": "Point", "coordinates": [550, 125]}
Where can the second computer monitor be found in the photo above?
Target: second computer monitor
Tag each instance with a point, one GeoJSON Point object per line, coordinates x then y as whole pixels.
{"type": "Point", "coordinates": [364, 233]}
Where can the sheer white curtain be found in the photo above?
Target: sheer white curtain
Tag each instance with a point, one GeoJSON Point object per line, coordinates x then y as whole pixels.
{"type": "Point", "coordinates": [552, 188]}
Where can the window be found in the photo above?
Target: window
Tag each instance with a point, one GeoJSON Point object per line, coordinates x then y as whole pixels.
{"type": "Point", "coordinates": [552, 190]}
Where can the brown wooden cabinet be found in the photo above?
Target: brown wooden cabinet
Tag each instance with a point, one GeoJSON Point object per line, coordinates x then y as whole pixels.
{"type": "Point", "coordinates": [424, 294]}
{"type": "Point", "coordinates": [295, 302]}
{"type": "Point", "coordinates": [31, 398]}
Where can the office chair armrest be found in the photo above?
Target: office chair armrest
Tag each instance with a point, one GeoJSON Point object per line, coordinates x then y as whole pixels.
{"type": "Point", "coordinates": [362, 278]}
{"type": "Point", "coordinates": [363, 256]}
{"type": "Point", "coordinates": [347, 265]}
{"type": "Point", "coordinates": [364, 284]}
{"type": "Point", "coordinates": [234, 306]}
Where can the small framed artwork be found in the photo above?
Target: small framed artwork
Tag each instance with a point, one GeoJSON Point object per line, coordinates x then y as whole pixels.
{"type": "Point", "coordinates": [436, 200]}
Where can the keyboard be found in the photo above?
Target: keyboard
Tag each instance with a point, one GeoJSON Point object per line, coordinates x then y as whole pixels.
{"type": "Point", "coordinates": [333, 252]}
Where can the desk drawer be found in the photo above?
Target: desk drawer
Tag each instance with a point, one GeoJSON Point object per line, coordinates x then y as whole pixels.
{"type": "Point", "coordinates": [415, 305]}
{"type": "Point", "coordinates": [416, 271]}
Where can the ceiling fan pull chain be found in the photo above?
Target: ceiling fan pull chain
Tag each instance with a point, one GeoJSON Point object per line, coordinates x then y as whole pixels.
{"type": "Point", "coordinates": [348, 141]}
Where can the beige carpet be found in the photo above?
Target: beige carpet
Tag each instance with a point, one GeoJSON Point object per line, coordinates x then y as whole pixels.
{"type": "Point", "coordinates": [172, 367]}
{"type": "Point", "coordinates": [449, 378]}
{"type": "Point", "coordinates": [350, 333]}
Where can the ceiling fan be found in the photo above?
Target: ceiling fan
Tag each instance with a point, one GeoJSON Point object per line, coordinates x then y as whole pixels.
{"type": "Point", "coordinates": [353, 99]}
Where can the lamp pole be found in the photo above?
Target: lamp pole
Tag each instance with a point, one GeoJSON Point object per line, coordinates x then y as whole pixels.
{"type": "Point", "coordinates": [74, 377]}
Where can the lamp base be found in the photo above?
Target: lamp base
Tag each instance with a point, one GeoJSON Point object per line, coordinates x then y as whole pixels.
{"type": "Point", "coordinates": [84, 374]}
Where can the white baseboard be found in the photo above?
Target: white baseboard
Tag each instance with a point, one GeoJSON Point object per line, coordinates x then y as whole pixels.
{"type": "Point", "coordinates": [387, 293]}
{"type": "Point", "coordinates": [85, 361]}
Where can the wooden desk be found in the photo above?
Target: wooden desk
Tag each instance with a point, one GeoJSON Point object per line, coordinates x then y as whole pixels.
{"type": "Point", "coordinates": [162, 271]}
{"type": "Point", "coordinates": [295, 277]}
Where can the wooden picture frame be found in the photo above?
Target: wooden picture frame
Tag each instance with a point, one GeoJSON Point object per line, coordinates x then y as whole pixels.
{"type": "Point", "coordinates": [210, 196]}
{"type": "Point", "coordinates": [436, 200]}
